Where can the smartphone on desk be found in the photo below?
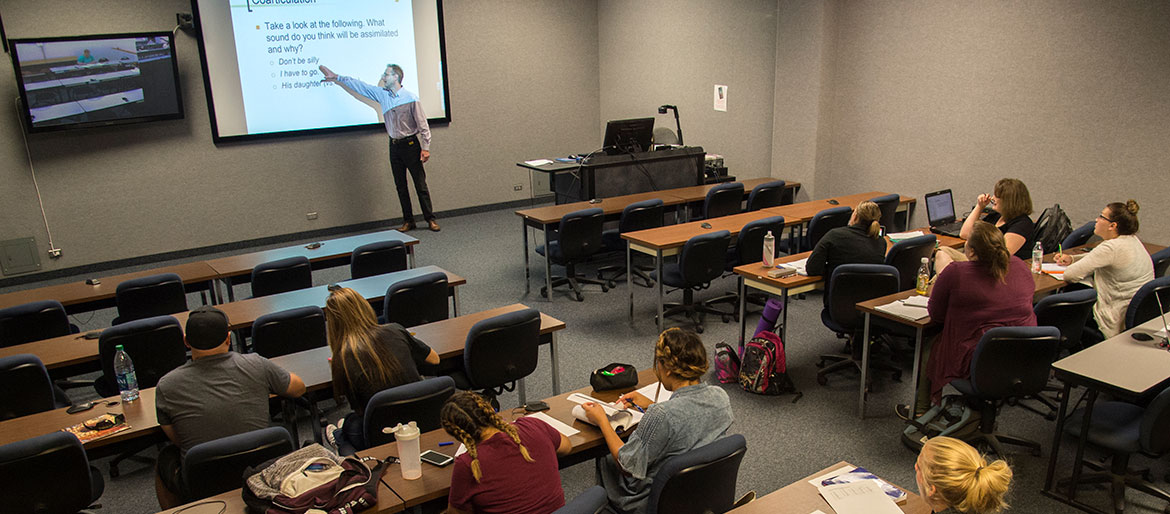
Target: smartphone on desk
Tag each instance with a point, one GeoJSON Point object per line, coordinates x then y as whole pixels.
{"type": "Point", "coordinates": [436, 458]}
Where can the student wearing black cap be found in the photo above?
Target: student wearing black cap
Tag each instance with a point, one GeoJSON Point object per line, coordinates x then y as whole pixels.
{"type": "Point", "coordinates": [217, 394]}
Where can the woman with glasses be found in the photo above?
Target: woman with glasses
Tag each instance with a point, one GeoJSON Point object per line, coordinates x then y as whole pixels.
{"type": "Point", "coordinates": [367, 357]}
{"type": "Point", "coordinates": [1116, 268]}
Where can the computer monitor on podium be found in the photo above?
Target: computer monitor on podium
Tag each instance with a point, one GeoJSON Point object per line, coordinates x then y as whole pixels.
{"type": "Point", "coordinates": [628, 136]}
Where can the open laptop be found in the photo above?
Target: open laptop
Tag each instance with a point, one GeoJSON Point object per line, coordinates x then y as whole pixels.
{"type": "Point", "coordinates": [940, 211]}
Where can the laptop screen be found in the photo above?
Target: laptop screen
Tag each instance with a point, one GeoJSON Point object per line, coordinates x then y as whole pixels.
{"type": "Point", "coordinates": [940, 208]}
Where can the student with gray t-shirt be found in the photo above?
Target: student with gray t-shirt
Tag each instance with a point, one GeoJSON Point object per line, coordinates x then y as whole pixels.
{"type": "Point", "coordinates": [218, 393]}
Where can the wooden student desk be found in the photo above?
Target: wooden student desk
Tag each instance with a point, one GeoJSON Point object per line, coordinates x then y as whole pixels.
{"type": "Point", "coordinates": [333, 252]}
{"type": "Point", "coordinates": [62, 354]}
{"type": "Point", "coordinates": [801, 497]}
{"type": "Point", "coordinates": [436, 482]}
{"type": "Point", "coordinates": [548, 217]}
{"type": "Point", "coordinates": [82, 297]}
{"type": "Point", "coordinates": [669, 240]}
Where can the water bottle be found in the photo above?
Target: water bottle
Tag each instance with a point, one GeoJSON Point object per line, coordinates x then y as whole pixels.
{"type": "Point", "coordinates": [124, 371]}
{"type": "Point", "coordinates": [1037, 257]}
{"type": "Point", "coordinates": [769, 250]}
{"type": "Point", "coordinates": [923, 277]}
{"type": "Point", "coordinates": [408, 451]}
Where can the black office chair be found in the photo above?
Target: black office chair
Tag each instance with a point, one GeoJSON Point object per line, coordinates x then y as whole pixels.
{"type": "Point", "coordinates": [34, 321]}
{"type": "Point", "coordinates": [1068, 312]}
{"type": "Point", "coordinates": [821, 223]}
{"type": "Point", "coordinates": [592, 501]}
{"type": "Point", "coordinates": [1144, 305]}
{"type": "Point", "coordinates": [578, 238]}
{"type": "Point", "coordinates": [700, 480]}
{"type": "Point", "coordinates": [907, 255]}
{"type": "Point", "coordinates": [1009, 362]}
{"type": "Point", "coordinates": [889, 207]}
{"type": "Point", "coordinates": [377, 259]}
{"type": "Point", "coordinates": [1123, 429]}
{"type": "Point", "coordinates": [289, 331]}
{"type": "Point", "coordinates": [723, 200]}
{"type": "Point", "coordinates": [417, 401]}
{"type": "Point", "coordinates": [749, 248]}
{"type": "Point", "coordinates": [146, 297]}
{"type": "Point", "coordinates": [281, 276]}
{"type": "Point", "coordinates": [1161, 262]}
{"type": "Point", "coordinates": [636, 216]}
{"type": "Point", "coordinates": [701, 261]}
{"type": "Point", "coordinates": [848, 285]}
{"type": "Point", "coordinates": [27, 388]}
{"type": "Point", "coordinates": [48, 474]}
{"type": "Point", "coordinates": [417, 301]}
{"type": "Point", "coordinates": [1080, 236]}
{"type": "Point", "coordinates": [218, 466]}
{"type": "Point", "coordinates": [768, 194]}
{"type": "Point", "coordinates": [499, 352]}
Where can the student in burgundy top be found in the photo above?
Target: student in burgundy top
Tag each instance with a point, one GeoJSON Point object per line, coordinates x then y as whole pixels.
{"type": "Point", "coordinates": [990, 289]}
{"type": "Point", "coordinates": [508, 467]}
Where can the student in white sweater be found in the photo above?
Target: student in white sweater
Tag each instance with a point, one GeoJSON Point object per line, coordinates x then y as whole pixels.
{"type": "Point", "coordinates": [1116, 268]}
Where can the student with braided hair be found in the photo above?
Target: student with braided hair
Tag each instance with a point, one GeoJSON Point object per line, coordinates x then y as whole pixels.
{"type": "Point", "coordinates": [953, 475]}
{"type": "Point", "coordinates": [697, 414]}
{"type": "Point", "coordinates": [508, 467]}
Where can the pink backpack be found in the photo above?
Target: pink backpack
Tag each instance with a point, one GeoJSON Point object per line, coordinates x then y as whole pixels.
{"type": "Point", "coordinates": [763, 367]}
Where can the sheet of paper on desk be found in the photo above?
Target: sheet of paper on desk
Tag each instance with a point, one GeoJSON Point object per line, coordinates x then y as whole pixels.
{"type": "Point", "coordinates": [864, 497]}
{"type": "Point", "coordinates": [917, 301]}
{"type": "Point", "coordinates": [797, 265]}
{"type": "Point", "coordinates": [1053, 269]}
{"type": "Point", "coordinates": [567, 430]}
{"type": "Point", "coordinates": [899, 308]}
{"type": "Point", "coordinates": [650, 390]}
{"type": "Point", "coordinates": [898, 236]}
{"type": "Point", "coordinates": [538, 162]}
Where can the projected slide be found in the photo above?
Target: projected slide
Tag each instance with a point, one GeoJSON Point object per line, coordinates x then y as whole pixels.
{"type": "Point", "coordinates": [262, 58]}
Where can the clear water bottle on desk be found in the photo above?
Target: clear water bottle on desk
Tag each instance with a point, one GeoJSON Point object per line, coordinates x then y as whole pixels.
{"type": "Point", "coordinates": [409, 457]}
{"type": "Point", "coordinates": [1037, 258]}
{"type": "Point", "coordinates": [923, 281]}
{"type": "Point", "coordinates": [769, 250]}
{"type": "Point", "coordinates": [124, 371]}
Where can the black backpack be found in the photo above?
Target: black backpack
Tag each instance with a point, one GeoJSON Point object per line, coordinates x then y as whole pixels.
{"type": "Point", "coordinates": [1052, 227]}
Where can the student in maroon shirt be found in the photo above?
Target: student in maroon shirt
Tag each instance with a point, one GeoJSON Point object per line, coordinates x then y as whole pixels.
{"type": "Point", "coordinates": [508, 467]}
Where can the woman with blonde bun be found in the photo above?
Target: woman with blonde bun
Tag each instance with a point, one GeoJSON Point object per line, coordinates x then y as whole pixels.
{"type": "Point", "coordinates": [1116, 268]}
{"type": "Point", "coordinates": [953, 475]}
{"type": "Point", "coordinates": [860, 242]}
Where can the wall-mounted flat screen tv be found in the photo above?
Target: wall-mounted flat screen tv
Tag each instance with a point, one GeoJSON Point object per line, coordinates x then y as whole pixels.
{"type": "Point", "coordinates": [91, 81]}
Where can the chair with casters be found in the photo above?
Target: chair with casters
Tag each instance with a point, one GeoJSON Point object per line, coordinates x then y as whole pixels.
{"type": "Point", "coordinates": [768, 194]}
{"type": "Point", "coordinates": [27, 388]}
{"type": "Point", "coordinates": [723, 200]}
{"type": "Point", "coordinates": [155, 346]}
{"type": "Point", "coordinates": [146, 297]}
{"type": "Point", "coordinates": [34, 321]}
{"type": "Point", "coordinates": [1080, 236]}
{"type": "Point", "coordinates": [749, 248]}
{"type": "Point", "coordinates": [218, 466]}
{"type": "Point", "coordinates": [850, 284]}
{"type": "Point", "coordinates": [1068, 312]}
{"type": "Point", "coordinates": [1009, 362]}
{"type": "Point", "coordinates": [1161, 262]}
{"type": "Point", "coordinates": [578, 238]}
{"type": "Point", "coordinates": [701, 261]}
{"type": "Point", "coordinates": [499, 352]}
{"type": "Point", "coordinates": [592, 501]}
{"type": "Point", "coordinates": [50, 474]}
{"type": "Point", "coordinates": [1144, 305]}
{"type": "Point", "coordinates": [1122, 429]}
{"type": "Point", "coordinates": [417, 401]}
{"type": "Point", "coordinates": [821, 223]}
{"type": "Point", "coordinates": [281, 276]}
{"type": "Point", "coordinates": [636, 216]}
{"type": "Point", "coordinates": [889, 207]}
{"type": "Point", "coordinates": [907, 255]}
{"type": "Point", "coordinates": [289, 331]}
{"type": "Point", "coordinates": [417, 301]}
{"type": "Point", "coordinates": [377, 258]}
{"type": "Point", "coordinates": [700, 480]}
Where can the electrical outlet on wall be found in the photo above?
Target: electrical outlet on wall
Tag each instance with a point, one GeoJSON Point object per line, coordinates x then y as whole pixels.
{"type": "Point", "coordinates": [518, 187]}
{"type": "Point", "coordinates": [311, 215]}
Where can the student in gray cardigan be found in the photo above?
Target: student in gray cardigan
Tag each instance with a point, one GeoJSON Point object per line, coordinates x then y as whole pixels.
{"type": "Point", "coordinates": [697, 414]}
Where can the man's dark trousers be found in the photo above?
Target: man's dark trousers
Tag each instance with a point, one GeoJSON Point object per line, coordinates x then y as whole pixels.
{"type": "Point", "coordinates": [405, 155]}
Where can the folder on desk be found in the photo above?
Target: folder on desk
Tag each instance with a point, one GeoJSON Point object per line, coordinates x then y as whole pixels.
{"type": "Point", "coordinates": [902, 309]}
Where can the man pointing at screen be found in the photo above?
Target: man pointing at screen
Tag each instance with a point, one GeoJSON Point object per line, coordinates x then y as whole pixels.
{"type": "Point", "coordinates": [410, 137]}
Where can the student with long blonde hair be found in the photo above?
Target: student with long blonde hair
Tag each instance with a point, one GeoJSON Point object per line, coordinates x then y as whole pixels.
{"type": "Point", "coordinates": [953, 475]}
{"type": "Point", "coordinates": [367, 357]}
{"type": "Point", "coordinates": [508, 467]}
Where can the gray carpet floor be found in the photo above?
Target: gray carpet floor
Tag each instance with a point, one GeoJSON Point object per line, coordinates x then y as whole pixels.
{"type": "Point", "coordinates": [786, 440]}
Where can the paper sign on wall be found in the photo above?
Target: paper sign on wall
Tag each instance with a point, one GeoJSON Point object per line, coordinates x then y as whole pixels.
{"type": "Point", "coordinates": [720, 98]}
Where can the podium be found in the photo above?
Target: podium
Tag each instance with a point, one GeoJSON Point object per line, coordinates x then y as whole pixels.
{"type": "Point", "coordinates": [605, 176]}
